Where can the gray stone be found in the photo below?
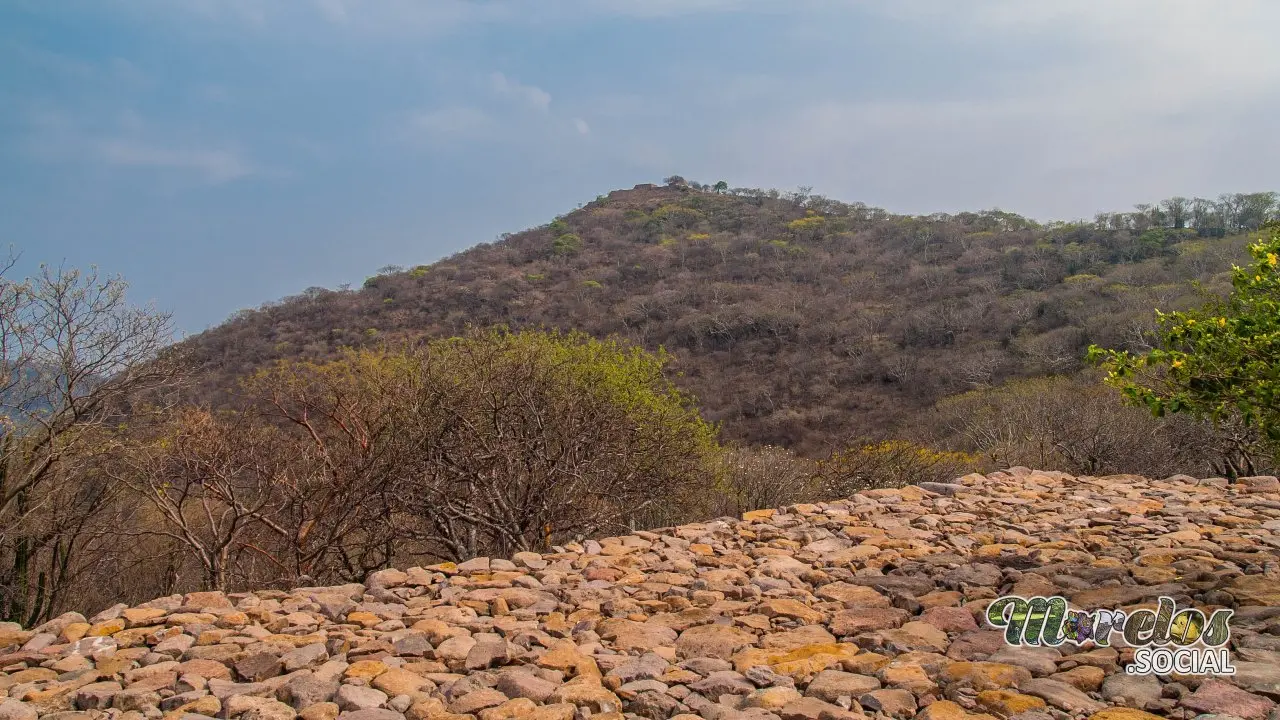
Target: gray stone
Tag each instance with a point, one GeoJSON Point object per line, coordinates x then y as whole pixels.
{"type": "Point", "coordinates": [723, 682]}
{"type": "Point", "coordinates": [1137, 690]}
{"type": "Point", "coordinates": [1060, 695]}
{"type": "Point", "coordinates": [358, 697]}
{"type": "Point", "coordinates": [304, 691]}
{"type": "Point", "coordinates": [13, 710]}
{"type": "Point", "coordinates": [304, 657]}
{"type": "Point", "coordinates": [831, 685]}
{"type": "Point", "coordinates": [526, 685]}
{"type": "Point", "coordinates": [371, 714]}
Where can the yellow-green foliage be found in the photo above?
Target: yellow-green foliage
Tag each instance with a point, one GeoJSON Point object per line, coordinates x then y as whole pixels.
{"type": "Point", "coordinates": [1192, 248]}
{"type": "Point", "coordinates": [807, 223]}
{"type": "Point", "coordinates": [893, 463]}
{"type": "Point", "coordinates": [591, 284]}
{"type": "Point", "coordinates": [1081, 278]}
{"type": "Point", "coordinates": [420, 271]}
{"type": "Point", "coordinates": [786, 247]}
{"type": "Point", "coordinates": [699, 236]}
{"type": "Point", "coordinates": [902, 449]}
{"type": "Point", "coordinates": [677, 216]}
{"type": "Point", "coordinates": [626, 377]}
{"type": "Point", "coordinates": [1218, 361]}
{"type": "Point", "coordinates": [567, 244]}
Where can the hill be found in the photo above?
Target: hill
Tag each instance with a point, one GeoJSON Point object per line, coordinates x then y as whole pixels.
{"type": "Point", "coordinates": [874, 606]}
{"type": "Point", "coordinates": [796, 320]}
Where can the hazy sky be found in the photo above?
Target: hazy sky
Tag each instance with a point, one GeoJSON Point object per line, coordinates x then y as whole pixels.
{"type": "Point", "coordinates": [224, 153]}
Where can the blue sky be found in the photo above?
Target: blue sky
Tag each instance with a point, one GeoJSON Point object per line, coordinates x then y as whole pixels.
{"type": "Point", "coordinates": [224, 153]}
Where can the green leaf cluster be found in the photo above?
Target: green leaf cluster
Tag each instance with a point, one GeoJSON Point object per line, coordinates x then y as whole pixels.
{"type": "Point", "coordinates": [1216, 361]}
{"type": "Point", "coordinates": [567, 244]}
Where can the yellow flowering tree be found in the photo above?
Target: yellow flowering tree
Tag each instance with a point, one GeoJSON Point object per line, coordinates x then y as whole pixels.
{"type": "Point", "coordinates": [1220, 360]}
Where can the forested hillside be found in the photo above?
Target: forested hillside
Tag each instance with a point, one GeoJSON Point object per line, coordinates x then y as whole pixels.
{"type": "Point", "coordinates": [887, 350]}
{"type": "Point", "coordinates": [795, 319]}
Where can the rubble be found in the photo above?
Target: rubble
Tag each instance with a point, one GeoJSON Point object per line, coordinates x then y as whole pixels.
{"type": "Point", "coordinates": [868, 607]}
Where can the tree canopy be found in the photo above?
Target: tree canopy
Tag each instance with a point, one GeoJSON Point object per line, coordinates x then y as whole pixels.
{"type": "Point", "coordinates": [1219, 360]}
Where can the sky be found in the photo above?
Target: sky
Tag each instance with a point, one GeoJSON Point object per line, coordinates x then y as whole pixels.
{"type": "Point", "coordinates": [221, 154]}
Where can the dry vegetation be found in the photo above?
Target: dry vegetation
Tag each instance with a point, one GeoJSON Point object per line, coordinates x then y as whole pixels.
{"type": "Point", "coordinates": [830, 348]}
{"type": "Point", "coordinates": [796, 320]}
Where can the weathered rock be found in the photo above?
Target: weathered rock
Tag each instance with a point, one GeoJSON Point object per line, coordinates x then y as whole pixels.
{"type": "Point", "coordinates": [307, 690]}
{"type": "Point", "coordinates": [589, 695]}
{"type": "Point", "coordinates": [810, 708]}
{"type": "Point", "coordinates": [400, 682]}
{"type": "Point", "coordinates": [257, 708]}
{"type": "Point", "coordinates": [1262, 678]}
{"type": "Point", "coordinates": [1138, 691]}
{"type": "Point", "coordinates": [628, 635]}
{"type": "Point", "coordinates": [258, 667]}
{"type": "Point", "coordinates": [1008, 702]}
{"type": "Point", "coordinates": [526, 685]}
{"type": "Point", "coordinates": [717, 641]}
{"type": "Point", "coordinates": [371, 714]}
{"type": "Point", "coordinates": [831, 685]}
{"type": "Point", "coordinates": [476, 701]}
{"type": "Point", "coordinates": [894, 703]}
{"type": "Point", "coordinates": [987, 675]}
{"type": "Point", "coordinates": [1123, 714]}
{"type": "Point", "coordinates": [1060, 695]}
{"type": "Point", "coordinates": [871, 605]}
{"type": "Point", "coordinates": [1041, 661]}
{"type": "Point", "coordinates": [304, 657]}
{"type": "Point", "coordinates": [357, 697]}
{"type": "Point", "coordinates": [13, 710]}
{"type": "Point", "coordinates": [1216, 696]}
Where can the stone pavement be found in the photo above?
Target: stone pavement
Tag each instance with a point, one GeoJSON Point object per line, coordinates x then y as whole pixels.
{"type": "Point", "coordinates": [868, 607]}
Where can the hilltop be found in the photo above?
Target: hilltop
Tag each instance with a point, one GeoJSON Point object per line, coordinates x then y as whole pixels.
{"type": "Point", "coordinates": [796, 320]}
{"type": "Point", "coordinates": [874, 606]}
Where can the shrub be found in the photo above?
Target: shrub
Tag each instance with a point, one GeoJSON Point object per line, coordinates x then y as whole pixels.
{"type": "Point", "coordinates": [1080, 426]}
{"type": "Point", "coordinates": [566, 244]}
{"type": "Point", "coordinates": [762, 477]}
{"type": "Point", "coordinates": [891, 463]}
{"type": "Point", "coordinates": [496, 442]}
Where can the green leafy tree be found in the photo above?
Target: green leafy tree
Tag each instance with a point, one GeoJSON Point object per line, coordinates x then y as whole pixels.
{"type": "Point", "coordinates": [566, 244]}
{"type": "Point", "coordinates": [1220, 361]}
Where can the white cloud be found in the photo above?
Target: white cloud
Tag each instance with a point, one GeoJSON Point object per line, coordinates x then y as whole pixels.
{"type": "Point", "coordinates": [456, 122]}
{"type": "Point", "coordinates": [1132, 100]}
{"type": "Point", "coordinates": [1175, 47]}
{"type": "Point", "coordinates": [529, 95]}
{"type": "Point", "coordinates": [582, 127]}
{"type": "Point", "coordinates": [333, 10]}
{"type": "Point", "coordinates": [215, 165]}
{"type": "Point", "coordinates": [57, 137]}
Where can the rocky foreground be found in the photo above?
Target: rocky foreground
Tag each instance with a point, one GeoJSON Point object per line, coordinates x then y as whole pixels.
{"type": "Point", "coordinates": [872, 606]}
